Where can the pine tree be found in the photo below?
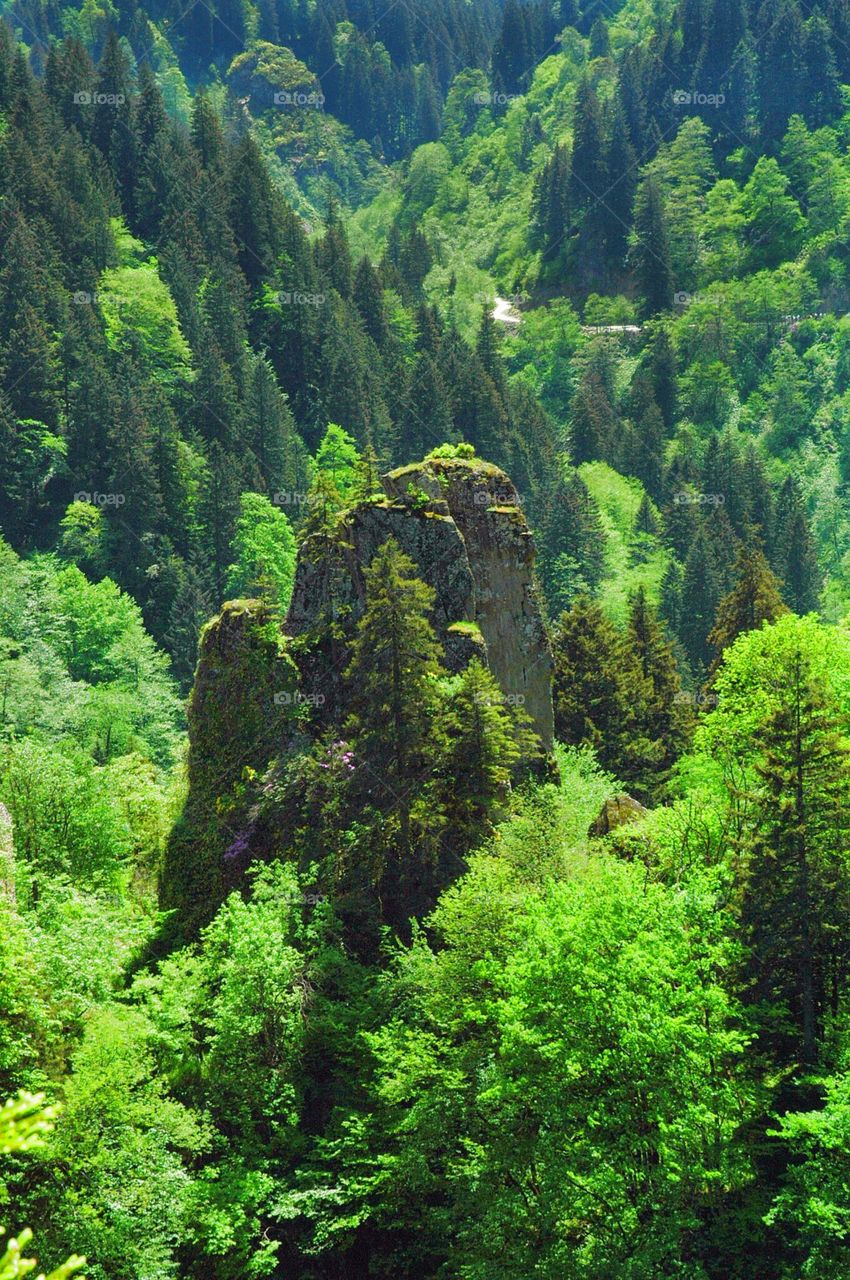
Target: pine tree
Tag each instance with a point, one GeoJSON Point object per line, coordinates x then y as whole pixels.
{"type": "Point", "coordinates": [590, 694]}
{"type": "Point", "coordinates": [795, 876]}
{"type": "Point", "coordinates": [802, 575]}
{"type": "Point", "coordinates": [426, 419]}
{"type": "Point", "coordinates": [280, 454]}
{"type": "Point", "coordinates": [782, 67]}
{"type": "Point", "coordinates": [571, 541]}
{"type": "Point", "coordinates": [650, 249]}
{"type": "Point", "coordinates": [512, 57]}
{"type": "Point", "coordinates": [206, 133]}
{"type": "Point", "coordinates": [821, 93]}
{"type": "Point", "coordinates": [663, 372]}
{"type": "Point", "coordinates": [754, 600]}
{"type": "Point", "coordinates": [700, 597]}
{"type": "Point", "coordinates": [594, 422]}
{"type": "Point", "coordinates": [486, 740]}
{"type": "Point", "coordinates": [368, 295]}
{"type": "Point", "coordinates": [662, 716]}
{"type": "Point", "coordinates": [600, 41]}
{"type": "Point", "coordinates": [333, 256]}
{"type": "Point", "coordinates": [255, 212]}
{"type": "Point", "coordinates": [794, 556]}
{"type": "Point", "coordinates": [550, 204]}
{"type": "Point", "coordinates": [393, 725]}
{"type": "Point", "coordinates": [619, 195]}
{"type": "Point", "coordinates": [487, 350]}
{"type": "Point", "coordinates": [588, 176]}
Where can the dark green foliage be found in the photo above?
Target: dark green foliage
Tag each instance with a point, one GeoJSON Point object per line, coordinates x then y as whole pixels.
{"type": "Point", "coordinates": [620, 693]}
{"type": "Point", "coordinates": [440, 1033]}
{"type": "Point", "coordinates": [754, 600]}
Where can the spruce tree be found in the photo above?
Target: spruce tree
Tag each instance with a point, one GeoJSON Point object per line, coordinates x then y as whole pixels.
{"type": "Point", "coordinates": [486, 739]}
{"type": "Point", "coordinates": [650, 250]}
{"type": "Point", "coordinates": [662, 715]}
{"type": "Point", "coordinates": [755, 599]}
{"type": "Point", "coordinates": [795, 874]}
{"type": "Point", "coordinates": [699, 600]}
{"type": "Point", "coordinates": [393, 727]}
{"type": "Point", "coordinates": [590, 694]}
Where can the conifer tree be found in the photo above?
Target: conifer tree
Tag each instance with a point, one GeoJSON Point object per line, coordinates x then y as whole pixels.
{"type": "Point", "coordinates": [794, 873]}
{"type": "Point", "coordinates": [426, 419]}
{"type": "Point", "coordinates": [650, 250]}
{"type": "Point", "coordinates": [512, 56]}
{"type": "Point", "coordinates": [754, 600]}
{"type": "Point", "coordinates": [394, 729]}
{"type": "Point", "coordinates": [663, 372]}
{"type": "Point", "coordinates": [699, 599]}
{"type": "Point", "coordinates": [368, 296]}
{"type": "Point", "coordinates": [486, 740]}
{"type": "Point", "coordinates": [662, 715]}
{"type": "Point", "coordinates": [592, 707]}
{"type": "Point", "coordinates": [550, 204]}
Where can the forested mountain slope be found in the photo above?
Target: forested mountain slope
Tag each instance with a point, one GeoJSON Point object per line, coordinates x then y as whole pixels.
{"type": "Point", "coordinates": [490, 919]}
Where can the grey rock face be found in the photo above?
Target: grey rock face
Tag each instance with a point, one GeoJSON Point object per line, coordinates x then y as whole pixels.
{"type": "Point", "coordinates": [461, 522]}
{"type": "Point", "coordinates": [618, 811]}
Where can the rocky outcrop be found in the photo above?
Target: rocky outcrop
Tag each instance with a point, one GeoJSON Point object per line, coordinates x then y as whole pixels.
{"type": "Point", "coordinates": [460, 520]}
{"type": "Point", "coordinates": [617, 811]}
{"type": "Point", "coordinates": [243, 711]}
{"type": "Point", "coordinates": [262, 690]}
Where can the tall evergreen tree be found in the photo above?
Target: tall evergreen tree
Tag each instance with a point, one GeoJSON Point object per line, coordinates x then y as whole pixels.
{"type": "Point", "coordinates": [650, 249]}
{"type": "Point", "coordinates": [754, 600]}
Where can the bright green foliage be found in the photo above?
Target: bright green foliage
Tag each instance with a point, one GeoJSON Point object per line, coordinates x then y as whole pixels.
{"type": "Point", "coordinates": [24, 1123]}
{"type": "Point", "coordinates": [337, 458]}
{"type": "Point", "coordinates": [487, 739]}
{"type": "Point", "coordinates": [75, 659]}
{"type": "Point", "coordinates": [82, 541]}
{"type": "Point", "coordinates": [265, 550]}
{"type": "Point", "coordinates": [754, 600]}
{"type": "Point", "coordinates": [140, 315]}
{"type": "Point", "coordinates": [814, 1202]}
{"type": "Point", "coordinates": [549, 1094]}
{"type": "Point", "coordinates": [119, 1141]}
{"type": "Point", "coordinates": [778, 738]}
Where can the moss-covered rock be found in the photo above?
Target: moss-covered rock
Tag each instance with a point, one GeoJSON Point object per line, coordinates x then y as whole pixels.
{"type": "Point", "coordinates": [459, 518]}
{"type": "Point", "coordinates": [244, 711]}
{"type": "Point", "coordinates": [271, 75]}
{"type": "Point", "coordinates": [485, 508]}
